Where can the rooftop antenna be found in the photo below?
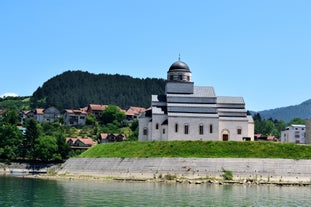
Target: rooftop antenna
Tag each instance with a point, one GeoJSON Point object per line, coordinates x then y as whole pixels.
{"type": "Point", "coordinates": [179, 57]}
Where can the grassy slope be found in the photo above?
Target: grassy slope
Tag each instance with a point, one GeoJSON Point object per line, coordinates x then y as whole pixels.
{"type": "Point", "coordinates": [199, 149]}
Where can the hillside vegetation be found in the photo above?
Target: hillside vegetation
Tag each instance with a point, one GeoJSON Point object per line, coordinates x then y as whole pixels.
{"type": "Point", "coordinates": [289, 113]}
{"type": "Point", "coordinates": [199, 149]}
{"type": "Point", "coordinates": [75, 89]}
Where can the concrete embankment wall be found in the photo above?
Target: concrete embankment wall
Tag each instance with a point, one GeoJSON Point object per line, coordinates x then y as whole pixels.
{"type": "Point", "coordinates": [259, 169]}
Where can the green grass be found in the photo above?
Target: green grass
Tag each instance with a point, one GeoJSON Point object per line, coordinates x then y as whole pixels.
{"type": "Point", "coordinates": [199, 149]}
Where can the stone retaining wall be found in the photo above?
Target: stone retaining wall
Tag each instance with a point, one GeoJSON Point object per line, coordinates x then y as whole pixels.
{"type": "Point", "coordinates": [149, 168]}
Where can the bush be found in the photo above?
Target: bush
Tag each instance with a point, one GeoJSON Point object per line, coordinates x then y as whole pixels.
{"type": "Point", "coordinates": [227, 174]}
{"type": "Point", "coordinates": [169, 177]}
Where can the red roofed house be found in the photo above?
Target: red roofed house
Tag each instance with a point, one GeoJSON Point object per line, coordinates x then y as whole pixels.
{"type": "Point", "coordinates": [38, 114]}
{"type": "Point", "coordinates": [96, 109]}
{"type": "Point", "coordinates": [134, 111]}
{"type": "Point", "coordinates": [80, 143]}
{"type": "Point", "coordinates": [105, 138]}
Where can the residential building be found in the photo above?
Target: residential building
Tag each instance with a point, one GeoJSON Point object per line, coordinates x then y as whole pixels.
{"type": "Point", "coordinates": [74, 117]}
{"type": "Point", "coordinates": [308, 131]}
{"type": "Point", "coordinates": [80, 143]}
{"type": "Point", "coordinates": [294, 134]}
{"type": "Point", "coordinates": [133, 112]}
{"type": "Point", "coordinates": [96, 109]}
{"type": "Point", "coordinates": [189, 112]}
{"type": "Point", "coordinates": [50, 114]}
{"type": "Point", "coordinates": [109, 137]}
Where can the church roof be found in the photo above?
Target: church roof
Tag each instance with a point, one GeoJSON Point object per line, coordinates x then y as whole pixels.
{"type": "Point", "coordinates": [179, 66]}
{"type": "Point", "coordinates": [230, 100]}
{"type": "Point", "coordinates": [198, 91]}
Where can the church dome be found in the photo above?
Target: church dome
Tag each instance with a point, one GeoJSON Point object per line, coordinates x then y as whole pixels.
{"type": "Point", "coordinates": [179, 66]}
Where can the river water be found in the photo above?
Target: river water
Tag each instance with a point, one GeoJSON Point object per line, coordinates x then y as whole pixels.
{"type": "Point", "coordinates": [18, 191]}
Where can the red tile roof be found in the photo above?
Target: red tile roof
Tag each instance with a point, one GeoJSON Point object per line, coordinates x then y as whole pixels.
{"type": "Point", "coordinates": [88, 141]}
{"type": "Point", "coordinates": [39, 111]}
{"type": "Point", "coordinates": [73, 111]}
{"type": "Point", "coordinates": [97, 107]}
{"type": "Point", "coordinates": [134, 110]}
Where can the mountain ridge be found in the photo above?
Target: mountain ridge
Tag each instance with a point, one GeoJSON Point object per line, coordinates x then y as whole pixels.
{"type": "Point", "coordinates": [288, 113]}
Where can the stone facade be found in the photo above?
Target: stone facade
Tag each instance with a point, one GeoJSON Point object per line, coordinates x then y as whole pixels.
{"type": "Point", "coordinates": [189, 112]}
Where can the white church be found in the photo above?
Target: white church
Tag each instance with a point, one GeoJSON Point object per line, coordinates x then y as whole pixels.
{"type": "Point", "coordinates": [189, 112]}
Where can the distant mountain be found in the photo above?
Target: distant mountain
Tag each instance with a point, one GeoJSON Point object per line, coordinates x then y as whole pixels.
{"type": "Point", "coordinates": [288, 113]}
{"type": "Point", "coordinates": [75, 89]}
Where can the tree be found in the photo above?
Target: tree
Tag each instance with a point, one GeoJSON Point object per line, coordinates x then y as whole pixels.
{"type": "Point", "coordinates": [297, 121]}
{"type": "Point", "coordinates": [10, 141]}
{"type": "Point", "coordinates": [63, 147]}
{"type": "Point", "coordinates": [30, 139]}
{"type": "Point", "coordinates": [46, 149]}
{"type": "Point", "coordinates": [10, 117]}
{"type": "Point", "coordinates": [111, 114]}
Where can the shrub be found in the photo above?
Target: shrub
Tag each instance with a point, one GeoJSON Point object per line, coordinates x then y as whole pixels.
{"type": "Point", "coordinates": [227, 174]}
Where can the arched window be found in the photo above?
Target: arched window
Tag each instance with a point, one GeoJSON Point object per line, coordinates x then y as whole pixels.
{"type": "Point", "coordinates": [157, 126]}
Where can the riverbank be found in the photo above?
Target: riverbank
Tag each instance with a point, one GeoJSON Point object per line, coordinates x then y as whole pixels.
{"type": "Point", "coordinates": [265, 170]}
{"type": "Point", "coordinates": [182, 170]}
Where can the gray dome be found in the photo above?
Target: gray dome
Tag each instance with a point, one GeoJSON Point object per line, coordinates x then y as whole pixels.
{"type": "Point", "coordinates": [179, 66]}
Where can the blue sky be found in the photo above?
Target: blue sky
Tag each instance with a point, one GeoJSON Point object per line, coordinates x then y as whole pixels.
{"type": "Point", "coordinates": [258, 49]}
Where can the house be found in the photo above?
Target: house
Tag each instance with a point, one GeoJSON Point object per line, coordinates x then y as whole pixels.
{"type": "Point", "coordinates": [294, 134]}
{"type": "Point", "coordinates": [50, 114]}
{"type": "Point", "coordinates": [80, 143]}
{"type": "Point", "coordinates": [22, 129]}
{"type": "Point", "coordinates": [23, 115]}
{"type": "Point", "coordinates": [75, 117]}
{"type": "Point", "coordinates": [108, 137]}
{"type": "Point", "coordinates": [39, 114]}
{"type": "Point", "coordinates": [189, 112]}
{"type": "Point", "coordinates": [133, 112]}
{"type": "Point", "coordinates": [308, 131]}
{"type": "Point", "coordinates": [96, 109]}
{"type": "Point", "coordinates": [47, 115]}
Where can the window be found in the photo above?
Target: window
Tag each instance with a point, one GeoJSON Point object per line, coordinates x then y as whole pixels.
{"type": "Point", "coordinates": [201, 129]}
{"type": "Point", "coordinates": [145, 131]}
{"type": "Point", "coordinates": [171, 77]}
{"type": "Point", "coordinates": [211, 128]}
{"type": "Point", "coordinates": [188, 78]}
{"type": "Point", "coordinates": [163, 131]}
{"type": "Point", "coordinates": [239, 131]}
{"type": "Point", "coordinates": [186, 130]}
{"type": "Point", "coordinates": [180, 77]}
{"type": "Point", "coordinates": [176, 127]}
{"type": "Point", "coordinates": [157, 126]}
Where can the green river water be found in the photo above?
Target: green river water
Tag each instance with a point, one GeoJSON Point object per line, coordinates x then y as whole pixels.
{"type": "Point", "coordinates": [19, 191]}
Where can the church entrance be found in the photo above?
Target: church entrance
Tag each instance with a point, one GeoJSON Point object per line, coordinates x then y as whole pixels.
{"type": "Point", "coordinates": [225, 135]}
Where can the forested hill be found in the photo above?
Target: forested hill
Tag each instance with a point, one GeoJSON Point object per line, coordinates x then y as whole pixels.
{"type": "Point", "coordinates": [75, 89]}
{"type": "Point", "coordinates": [288, 113]}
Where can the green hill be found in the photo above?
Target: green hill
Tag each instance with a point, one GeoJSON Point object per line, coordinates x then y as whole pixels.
{"type": "Point", "coordinates": [75, 89]}
{"type": "Point", "coordinates": [199, 149]}
{"type": "Point", "coordinates": [288, 113]}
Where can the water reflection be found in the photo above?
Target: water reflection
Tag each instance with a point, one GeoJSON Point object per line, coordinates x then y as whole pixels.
{"type": "Point", "coordinates": [35, 192]}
